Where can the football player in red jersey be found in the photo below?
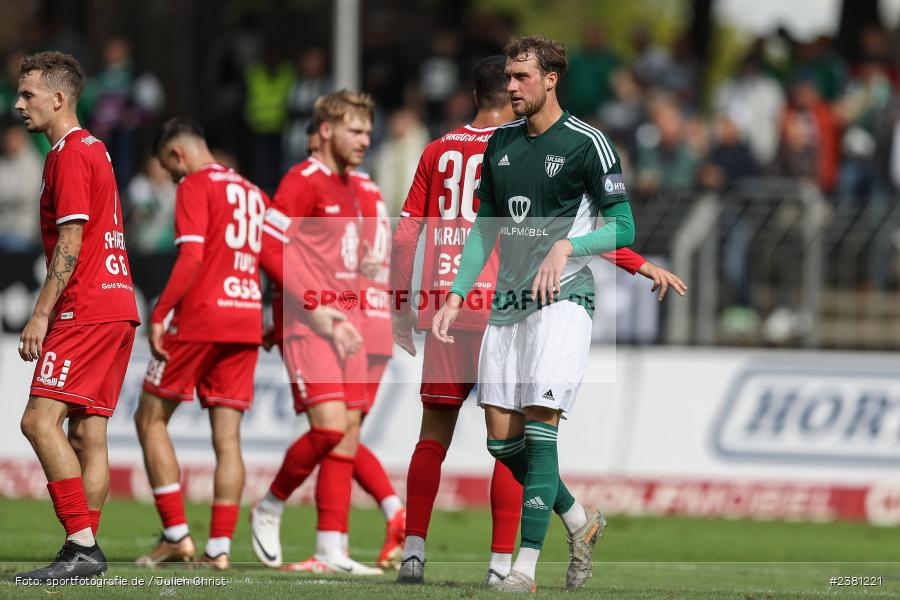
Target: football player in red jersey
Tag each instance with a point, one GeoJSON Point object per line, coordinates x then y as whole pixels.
{"type": "Point", "coordinates": [374, 270]}
{"type": "Point", "coordinates": [315, 220]}
{"type": "Point", "coordinates": [442, 198]}
{"type": "Point", "coordinates": [84, 320]}
{"type": "Point", "coordinates": [212, 341]}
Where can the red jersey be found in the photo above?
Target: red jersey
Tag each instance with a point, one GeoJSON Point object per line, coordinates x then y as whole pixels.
{"type": "Point", "coordinates": [375, 298]}
{"type": "Point", "coordinates": [316, 214]}
{"type": "Point", "coordinates": [443, 198]}
{"type": "Point", "coordinates": [79, 184]}
{"type": "Point", "coordinates": [223, 212]}
{"type": "Point", "coordinates": [443, 195]}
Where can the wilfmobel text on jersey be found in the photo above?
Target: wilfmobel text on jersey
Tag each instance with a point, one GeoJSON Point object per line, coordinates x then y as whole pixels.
{"type": "Point", "coordinates": [523, 231]}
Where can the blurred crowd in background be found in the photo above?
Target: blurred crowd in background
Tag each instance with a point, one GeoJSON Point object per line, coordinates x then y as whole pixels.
{"type": "Point", "coordinates": [788, 108]}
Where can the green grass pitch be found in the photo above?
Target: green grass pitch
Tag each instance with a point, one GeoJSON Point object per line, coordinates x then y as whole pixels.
{"type": "Point", "coordinates": [646, 558]}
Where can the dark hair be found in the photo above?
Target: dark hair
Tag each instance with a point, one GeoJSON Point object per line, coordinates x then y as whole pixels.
{"type": "Point", "coordinates": [173, 128]}
{"type": "Point", "coordinates": [550, 55]}
{"type": "Point", "coordinates": [61, 72]}
{"type": "Point", "coordinates": [490, 81]}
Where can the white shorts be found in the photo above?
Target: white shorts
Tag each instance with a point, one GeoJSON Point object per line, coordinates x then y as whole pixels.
{"type": "Point", "coordinates": [538, 361]}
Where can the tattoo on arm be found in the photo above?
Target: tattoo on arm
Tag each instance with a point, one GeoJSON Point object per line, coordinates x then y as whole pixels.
{"type": "Point", "coordinates": [62, 265]}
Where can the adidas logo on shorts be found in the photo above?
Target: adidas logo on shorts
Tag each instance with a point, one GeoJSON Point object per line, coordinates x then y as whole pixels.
{"type": "Point", "coordinates": [504, 162]}
{"type": "Point", "coordinates": [548, 395]}
{"type": "Point", "coordinates": [536, 503]}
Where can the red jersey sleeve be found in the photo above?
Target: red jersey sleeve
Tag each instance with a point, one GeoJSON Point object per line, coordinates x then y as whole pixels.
{"type": "Point", "coordinates": [72, 186]}
{"type": "Point", "coordinates": [416, 202]}
{"type": "Point", "coordinates": [412, 219]}
{"type": "Point", "coordinates": [625, 258]}
{"type": "Point", "coordinates": [191, 212]}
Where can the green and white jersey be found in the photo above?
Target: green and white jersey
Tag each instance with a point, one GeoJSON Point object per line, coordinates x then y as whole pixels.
{"type": "Point", "coordinates": [546, 188]}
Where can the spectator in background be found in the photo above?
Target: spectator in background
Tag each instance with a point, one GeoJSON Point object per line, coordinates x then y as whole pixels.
{"type": "Point", "coordinates": [866, 112]}
{"type": "Point", "coordinates": [623, 113]}
{"type": "Point", "coordinates": [439, 73]}
{"type": "Point", "coordinates": [587, 85]}
{"type": "Point", "coordinates": [665, 160]}
{"type": "Point", "coordinates": [682, 77]}
{"type": "Point", "coordinates": [150, 209]}
{"type": "Point", "coordinates": [312, 81]}
{"type": "Point", "coordinates": [267, 83]}
{"type": "Point", "coordinates": [754, 101]}
{"type": "Point", "coordinates": [651, 61]}
{"type": "Point", "coordinates": [229, 58]}
{"type": "Point", "coordinates": [118, 101]}
{"type": "Point", "coordinates": [819, 64]}
{"type": "Point", "coordinates": [457, 111]}
{"type": "Point", "coordinates": [729, 159]}
{"type": "Point", "coordinates": [9, 84]}
{"type": "Point", "coordinates": [809, 137]}
{"type": "Point", "coordinates": [20, 187]}
{"type": "Point", "coordinates": [394, 162]}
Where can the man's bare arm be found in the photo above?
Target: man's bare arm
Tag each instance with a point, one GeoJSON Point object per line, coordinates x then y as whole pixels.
{"type": "Point", "coordinates": [59, 273]}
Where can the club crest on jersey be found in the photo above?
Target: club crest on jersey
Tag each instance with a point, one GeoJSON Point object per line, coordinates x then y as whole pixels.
{"type": "Point", "coordinates": [553, 163]}
{"type": "Point", "coordinates": [518, 208]}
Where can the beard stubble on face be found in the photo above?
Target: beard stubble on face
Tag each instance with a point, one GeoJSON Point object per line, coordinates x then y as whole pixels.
{"type": "Point", "coordinates": [531, 106]}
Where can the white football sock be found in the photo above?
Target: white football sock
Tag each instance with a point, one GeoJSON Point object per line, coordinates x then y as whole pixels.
{"type": "Point", "coordinates": [574, 518]}
{"type": "Point", "coordinates": [84, 537]}
{"type": "Point", "coordinates": [166, 489]}
{"type": "Point", "coordinates": [390, 506]}
{"type": "Point", "coordinates": [414, 546]}
{"type": "Point", "coordinates": [345, 543]}
{"type": "Point", "coordinates": [328, 543]}
{"type": "Point", "coordinates": [501, 562]}
{"type": "Point", "coordinates": [175, 532]}
{"type": "Point", "coordinates": [526, 561]}
{"type": "Point", "coordinates": [271, 504]}
{"type": "Point", "coordinates": [218, 545]}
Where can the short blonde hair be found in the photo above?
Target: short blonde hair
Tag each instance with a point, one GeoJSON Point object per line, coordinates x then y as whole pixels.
{"type": "Point", "coordinates": [334, 107]}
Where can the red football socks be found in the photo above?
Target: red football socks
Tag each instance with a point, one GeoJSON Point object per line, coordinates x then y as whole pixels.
{"type": "Point", "coordinates": [333, 492]}
{"type": "Point", "coordinates": [301, 458]}
{"type": "Point", "coordinates": [70, 504]}
{"type": "Point", "coordinates": [95, 520]}
{"type": "Point", "coordinates": [422, 484]}
{"type": "Point", "coordinates": [224, 518]}
{"type": "Point", "coordinates": [170, 507]}
{"type": "Point", "coordinates": [506, 509]}
{"type": "Point", "coordinates": [370, 475]}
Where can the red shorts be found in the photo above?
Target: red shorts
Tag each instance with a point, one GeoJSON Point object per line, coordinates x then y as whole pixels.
{"type": "Point", "coordinates": [377, 365]}
{"type": "Point", "coordinates": [449, 371]}
{"type": "Point", "coordinates": [84, 366]}
{"type": "Point", "coordinates": [222, 374]}
{"type": "Point", "coordinates": [318, 375]}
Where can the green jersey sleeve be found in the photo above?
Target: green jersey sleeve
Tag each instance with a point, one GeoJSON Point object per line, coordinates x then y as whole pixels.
{"type": "Point", "coordinates": [616, 232]}
{"type": "Point", "coordinates": [602, 172]}
{"type": "Point", "coordinates": [477, 249]}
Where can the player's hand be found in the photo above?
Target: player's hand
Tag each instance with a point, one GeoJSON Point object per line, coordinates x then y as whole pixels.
{"type": "Point", "coordinates": [31, 342]}
{"type": "Point", "coordinates": [346, 339]}
{"type": "Point", "coordinates": [546, 284]}
{"type": "Point", "coordinates": [156, 346]}
{"type": "Point", "coordinates": [369, 266]}
{"type": "Point", "coordinates": [323, 319]}
{"type": "Point", "coordinates": [444, 318]}
{"type": "Point", "coordinates": [402, 327]}
{"type": "Point", "coordinates": [662, 280]}
{"type": "Point", "coordinates": [268, 339]}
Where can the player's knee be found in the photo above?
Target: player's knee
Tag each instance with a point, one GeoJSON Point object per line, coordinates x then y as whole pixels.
{"type": "Point", "coordinates": [35, 425]}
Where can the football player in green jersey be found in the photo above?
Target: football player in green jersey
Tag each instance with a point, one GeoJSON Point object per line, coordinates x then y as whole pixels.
{"type": "Point", "coordinates": [546, 178]}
